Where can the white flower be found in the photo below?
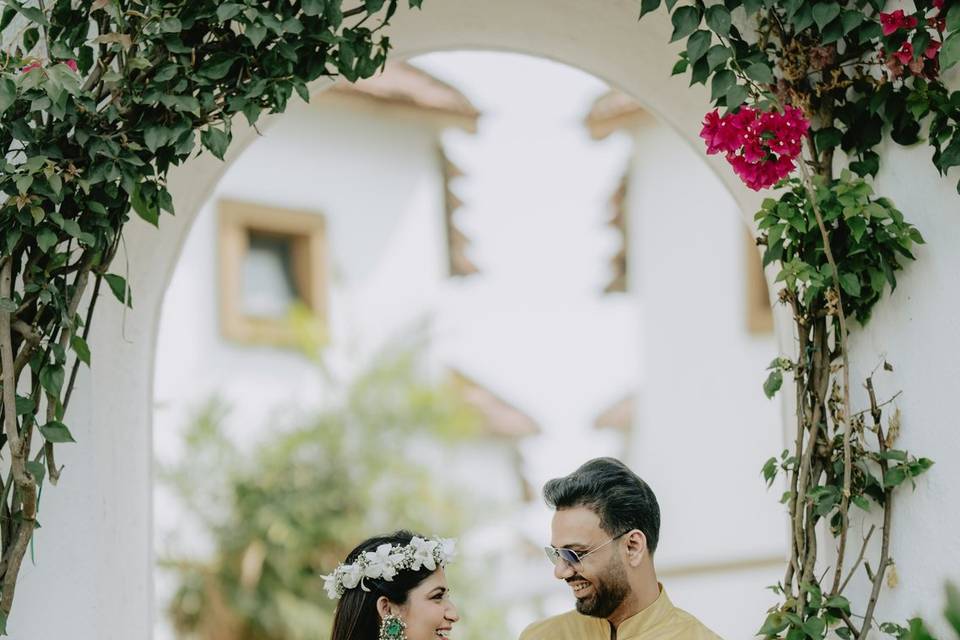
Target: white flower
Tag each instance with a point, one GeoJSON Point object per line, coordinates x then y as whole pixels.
{"type": "Point", "coordinates": [448, 549]}
{"type": "Point", "coordinates": [330, 586]}
{"type": "Point", "coordinates": [381, 563]}
{"type": "Point", "coordinates": [423, 553]}
{"type": "Point", "coordinates": [350, 575]}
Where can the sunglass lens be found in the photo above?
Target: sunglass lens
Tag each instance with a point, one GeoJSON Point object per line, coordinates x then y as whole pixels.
{"type": "Point", "coordinates": [558, 556]}
{"type": "Point", "coordinates": [569, 556]}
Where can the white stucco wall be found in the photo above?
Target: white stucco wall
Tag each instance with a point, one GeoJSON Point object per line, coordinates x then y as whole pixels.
{"type": "Point", "coordinates": [377, 281]}
{"type": "Point", "coordinates": [704, 427]}
{"type": "Point", "coordinates": [99, 575]}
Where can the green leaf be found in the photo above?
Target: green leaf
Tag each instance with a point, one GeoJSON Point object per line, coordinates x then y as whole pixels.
{"type": "Point", "coordinates": [718, 19]}
{"type": "Point", "coordinates": [30, 13]}
{"type": "Point", "coordinates": [144, 208]}
{"type": "Point", "coordinates": [120, 289]}
{"type": "Point", "coordinates": [24, 405]}
{"type": "Point", "coordinates": [217, 66]}
{"type": "Point", "coordinates": [894, 476]}
{"type": "Point", "coordinates": [850, 283]}
{"type": "Point", "coordinates": [760, 72]}
{"type": "Point", "coordinates": [861, 502]}
{"type": "Point", "coordinates": [255, 33]}
{"type": "Point", "coordinates": [838, 602]}
{"type": "Point", "coordinates": [735, 96]}
{"type": "Point", "coordinates": [700, 72]}
{"type": "Point", "coordinates": [373, 5]}
{"type": "Point", "coordinates": [81, 348]}
{"type": "Point", "coordinates": [315, 7]}
{"type": "Point", "coordinates": [679, 67]}
{"type": "Point", "coordinates": [171, 25]}
{"type": "Point", "coordinates": [56, 432]}
{"type": "Point", "coordinates": [697, 45]}
{"type": "Point", "coordinates": [951, 155]}
{"type": "Point", "coordinates": [773, 383]}
{"type": "Point", "coordinates": [646, 6]}
{"type": "Point", "coordinates": [37, 470]}
{"type": "Point", "coordinates": [155, 136]}
{"type": "Point", "coordinates": [953, 18]}
{"type": "Point", "coordinates": [721, 82]}
{"type": "Point", "coordinates": [825, 13]}
{"type": "Point", "coordinates": [228, 10]}
{"type": "Point", "coordinates": [717, 55]}
{"type": "Point", "coordinates": [952, 612]}
{"type": "Point", "coordinates": [46, 239]}
{"type": "Point", "coordinates": [858, 226]}
{"type": "Point", "coordinates": [216, 141]}
{"type": "Point", "coordinates": [51, 379]}
{"type": "Point", "coordinates": [950, 51]}
{"type": "Point", "coordinates": [685, 21]}
{"type": "Point", "coordinates": [8, 94]}
{"type": "Point", "coordinates": [827, 138]}
{"type": "Point", "coordinates": [851, 20]}
{"type": "Point", "coordinates": [773, 625]}
{"type": "Point", "coordinates": [815, 628]}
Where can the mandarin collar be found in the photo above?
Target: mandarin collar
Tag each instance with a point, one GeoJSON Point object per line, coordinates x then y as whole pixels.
{"type": "Point", "coordinates": [647, 619]}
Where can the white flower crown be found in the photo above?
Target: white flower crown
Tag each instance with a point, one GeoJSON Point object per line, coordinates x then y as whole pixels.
{"type": "Point", "coordinates": [386, 561]}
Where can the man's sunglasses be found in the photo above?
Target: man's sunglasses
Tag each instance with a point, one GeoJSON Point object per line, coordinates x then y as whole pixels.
{"type": "Point", "coordinates": [571, 557]}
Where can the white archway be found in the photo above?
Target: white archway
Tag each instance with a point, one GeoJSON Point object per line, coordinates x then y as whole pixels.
{"type": "Point", "coordinates": [95, 571]}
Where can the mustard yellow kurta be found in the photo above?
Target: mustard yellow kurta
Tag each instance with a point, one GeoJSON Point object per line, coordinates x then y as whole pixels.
{"type": "Point", "coordinates": [660, 621]}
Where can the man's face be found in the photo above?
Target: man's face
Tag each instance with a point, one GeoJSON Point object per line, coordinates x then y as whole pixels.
{"type": "Point", "coordinates": [600, 582]}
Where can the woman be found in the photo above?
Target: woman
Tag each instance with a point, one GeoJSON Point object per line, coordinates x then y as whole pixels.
{"type": "Point", "coordinates": [393, 587]}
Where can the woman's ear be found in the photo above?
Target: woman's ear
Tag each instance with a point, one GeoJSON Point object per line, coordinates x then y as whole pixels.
{"type": "Point", "coordinates": [636, 547]}
{"type": "Point", "coordinates": [384, 607]}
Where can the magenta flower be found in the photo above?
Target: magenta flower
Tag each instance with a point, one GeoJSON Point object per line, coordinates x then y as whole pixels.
{"type": "Point", "coordinates": [760, 145]}
{"type": "Point", "coordinates": [72, 64]}
{"type": "Point", "coordinates": [896, 20]}
{"type": "Point", "coordinates": [905, 53]}
{"type": "Point", "coordinates": [30, 67]}
{"type": "Point", "coordinates": [931, 51]}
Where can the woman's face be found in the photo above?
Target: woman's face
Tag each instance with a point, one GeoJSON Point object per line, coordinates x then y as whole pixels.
{"type": "Point", "coordinates": [428, 612]}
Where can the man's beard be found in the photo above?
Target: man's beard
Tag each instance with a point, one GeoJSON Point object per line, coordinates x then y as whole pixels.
{"type": "Point", "coordinates": [609, 591]}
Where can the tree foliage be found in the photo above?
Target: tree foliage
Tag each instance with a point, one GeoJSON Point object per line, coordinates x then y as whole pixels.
{"type": "Point", "coordinates": [285, 511]}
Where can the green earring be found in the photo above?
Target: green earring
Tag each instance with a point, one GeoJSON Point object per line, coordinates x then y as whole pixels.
{"type": "Point", "coordinates": [393, 628]}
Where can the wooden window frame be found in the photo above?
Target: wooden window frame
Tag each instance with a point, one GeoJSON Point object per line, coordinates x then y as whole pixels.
{"type": "Point", "coordinates": [307, 231]}
{"type": "Point", "coordinates": [759, 313]}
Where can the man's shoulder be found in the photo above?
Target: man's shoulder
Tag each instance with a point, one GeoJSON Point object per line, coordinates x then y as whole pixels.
{"type": "Point", "coordinates": [693, 629]}
{"type": "Point", "coordinates": [570, 622]}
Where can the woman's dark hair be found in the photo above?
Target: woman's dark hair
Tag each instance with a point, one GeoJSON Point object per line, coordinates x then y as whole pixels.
{"type": "Point", "coordinates": [617, 495]}
{"type": "Point", "coordinates": [356, 617]}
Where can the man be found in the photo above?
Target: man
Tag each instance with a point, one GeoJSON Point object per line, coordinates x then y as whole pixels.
{"type": "Point", "coordinates": [604, 534]}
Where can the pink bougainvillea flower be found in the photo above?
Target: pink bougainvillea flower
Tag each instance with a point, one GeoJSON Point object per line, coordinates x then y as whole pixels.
{"type": "Point", "coordinates": [905, 53]}
{"type": "Point", "coordinates": [931, 51]}
{"type": "Point", "coordinates": [720, 134]}
{"type": "Point", "coordinates": [896, 20]}
{"type": "Point", "coordinates": [761, 146]}
{"type": "Point", "coordinates": [30, 67]}
{"type": "Point", "coordinates": [938, 4]}
{"type": "Point", "coordinates": [72, 64]}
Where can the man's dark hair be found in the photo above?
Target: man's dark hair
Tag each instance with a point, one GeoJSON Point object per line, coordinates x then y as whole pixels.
{"type": "Point", "coordinates": [617, 495]}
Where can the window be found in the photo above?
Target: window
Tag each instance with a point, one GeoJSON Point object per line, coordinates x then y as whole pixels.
{"type": "Point", "coordinates": [272, 262]}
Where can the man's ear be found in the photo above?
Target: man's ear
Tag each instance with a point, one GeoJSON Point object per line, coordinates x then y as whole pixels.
{"type": "Point", "coordinates": [636, 544]}
{"type": "Point", "coordinates": [385, 607]}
